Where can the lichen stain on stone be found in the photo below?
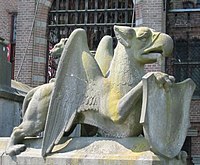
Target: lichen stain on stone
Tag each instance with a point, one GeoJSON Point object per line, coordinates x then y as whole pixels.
{"type": "Point", "coordinates": [114, 97]}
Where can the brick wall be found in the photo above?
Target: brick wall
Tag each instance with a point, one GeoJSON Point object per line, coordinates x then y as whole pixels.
{"type": "Point", "coordinates": [40, 44]}
{"type": "Point", "coordinates": [195, 111]}
{"type": "Point", "coordinates": [180, 24]}
{"type": "Point", "coordinates": [6, 9]}
{"type": "Point", "coordinates": [195, 124]}
{"type": "Point", "coordinates": [33, 67]}
{"type": "Point", "coordinates": [195, 146]}
{"type": "Point", "coordinates": [150, 13]}
{"type": "Point", "coordinates": [24, 41]}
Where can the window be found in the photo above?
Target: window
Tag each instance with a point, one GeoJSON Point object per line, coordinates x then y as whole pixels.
{"type": "Point", "coordinates": [183, 27]}
{"type": "Point", "coordinates": [13, 41]}
{"type": "Point", "coordinates": [96, 17]}
{"type": "Point", "coordinates": [187, 147]}
{"type": "Point", "coordinates": [184, 4]}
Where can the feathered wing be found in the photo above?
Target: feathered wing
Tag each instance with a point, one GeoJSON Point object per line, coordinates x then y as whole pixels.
{"type": "Point", "coordinates": [104, 54]}
{"type": "Point", "coordinates": [70, 88]}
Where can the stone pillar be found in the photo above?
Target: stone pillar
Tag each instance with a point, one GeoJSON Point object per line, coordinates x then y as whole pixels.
{"type": "Point", "coordinates": [5, 67]}
{"type": "Point", "coordinates": [151, 13]}
{"type": "Point", "coordinates": [10, 99]}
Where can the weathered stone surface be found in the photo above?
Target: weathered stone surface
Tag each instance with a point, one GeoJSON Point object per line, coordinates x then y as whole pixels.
{"type": "Point", "coordinates": [9, 116]}
{"type": "Point", "coordinates": [165, 114]}
{"type": "Point", "coordinates": [11, 98]}
{"type": "Point", "coordinates": [110, 99]}
{"type": "Point", "coordinates": [113, 102]}
{"type": "Point", "coordinates": [88, 151]}
{"type": "Point", "coordinates": [21, 89]}
{"type": "Point", "coordinates": [5, 67]}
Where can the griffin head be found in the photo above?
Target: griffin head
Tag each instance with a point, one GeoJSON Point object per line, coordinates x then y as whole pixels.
{"type": "Point", "coordinates": [146, 45]}
{"type": "Point", "coordinates": [56, 51]}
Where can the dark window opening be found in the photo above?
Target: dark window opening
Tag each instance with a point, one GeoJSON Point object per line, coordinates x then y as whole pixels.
{"type": "Point", "coordinates": [187, 147]}
{"type": "Point", "coordinates": [96, 17]}
{"type": "Point", "coordinates": [12, 44]}
{"type": "Point", "coordinates": [184, 28]}
{"type": "Point", "coordinates": [184, 4]}
{"type": "Point", "coordinates": [188, 5]}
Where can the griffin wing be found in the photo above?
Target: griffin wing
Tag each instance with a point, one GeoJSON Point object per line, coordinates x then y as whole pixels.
{"type": "Point", "coordinates": [70, 88]}
{"type": "Point", "coordinates": [104, 54]}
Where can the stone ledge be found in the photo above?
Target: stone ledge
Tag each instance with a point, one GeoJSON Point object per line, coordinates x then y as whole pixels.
{"type": "Point", "coordinates": [88, 151]}
{"type": "Point", "coordinates": [11, 94]}
{"type": "Point", "coordinates": [196, 159]}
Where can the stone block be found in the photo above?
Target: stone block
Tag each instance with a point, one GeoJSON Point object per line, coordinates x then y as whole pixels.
{"type": "Point", "coordinates": [10, 98]}
{"type": "Point", "coordinates": [5, 67]}
{"type": "Point", "coordinates": [9, 116]}
{"type": "Point", "coordinates": [88, 151]}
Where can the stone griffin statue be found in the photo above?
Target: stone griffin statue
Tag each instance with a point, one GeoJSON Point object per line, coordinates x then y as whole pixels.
{"type": "Point", "coordinates": [111, 92]}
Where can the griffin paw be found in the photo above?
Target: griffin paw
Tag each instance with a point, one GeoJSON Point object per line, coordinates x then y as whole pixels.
{"type": "Point", "coordinates": [15, 149]}
{"type": "Point", "coordinates": [182, 156]}
{"type": "Point", "coordinates": [164, 80]}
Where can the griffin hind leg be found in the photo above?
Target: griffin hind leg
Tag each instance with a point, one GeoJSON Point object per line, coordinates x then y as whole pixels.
{"type": "Point", "coordinates": [26, 128]}
{"type": "Point", "coordinates": [17, 135]}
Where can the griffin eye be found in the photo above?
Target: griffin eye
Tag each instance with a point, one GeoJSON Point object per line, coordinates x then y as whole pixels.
{"type": "Point", "coordinates": [144, 38]}
{"type": "Point", "coordinates": [144, 34]}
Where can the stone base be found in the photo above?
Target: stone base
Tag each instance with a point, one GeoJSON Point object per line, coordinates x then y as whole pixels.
{"type": "Point", "coordinates": [87, 151]}
{"type": "Point", "coordinates": [9, 115]}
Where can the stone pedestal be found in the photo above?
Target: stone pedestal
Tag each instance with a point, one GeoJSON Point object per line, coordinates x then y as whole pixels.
{"type": "Point", "coordinates": [10, 98]}
{"type": "Point", "coordinates": [88, 151]}
{"type": "Point", "coordinates": [9, 116]}
{"type": "Point", "coordinates": [5, 67]}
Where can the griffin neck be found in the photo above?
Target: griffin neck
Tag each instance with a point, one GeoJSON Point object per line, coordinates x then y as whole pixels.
{"type": "Point", "coordinates": [125, 70]}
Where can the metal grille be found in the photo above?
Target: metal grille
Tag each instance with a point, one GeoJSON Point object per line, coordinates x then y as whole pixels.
{"type": "Point", "coordinates": [185, 31]}
{"type": "Point", "coordinates": [96, 17]}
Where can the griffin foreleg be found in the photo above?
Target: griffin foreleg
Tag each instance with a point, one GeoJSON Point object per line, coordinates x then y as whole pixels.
{"type": "Point", "coordinates": [128, 100]}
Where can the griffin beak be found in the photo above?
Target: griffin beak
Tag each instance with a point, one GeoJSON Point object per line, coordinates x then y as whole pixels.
{"type": "Point", "coordinates": [162, 44]}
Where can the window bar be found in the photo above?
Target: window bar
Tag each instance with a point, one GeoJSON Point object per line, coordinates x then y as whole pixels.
{"type": "Point", "coordinates": [86, 14]}
{"type": "Point", "coordinates": [106, 16]}
{"type": "Point", "coordinates": [57, 15]}
{"type": "Point", "coordinates": [66, 5]}
{"type": "Point", "coordinates": [188, 42]}
{"type": "Point", "coordinates": [126, 12]}
{"type": "Point", "coordinates": [95, 37]}
{"type": "Point", "coordinates": [66, 14]}
{"type": "Point", "coordinates": [76, 13]}
{"type": "Point", "coordinates": [116, 13]}
{"type": "Point", "coordinates": [95, 15]}
{"type": "Point", "coordinates": [90, 24]}
{"type": "Point", "coordinates": [61, 5]}
{"type": "Point", "coordinates": [89, 10]}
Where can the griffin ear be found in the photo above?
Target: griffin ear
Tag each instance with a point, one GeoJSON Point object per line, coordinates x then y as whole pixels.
{"type": "Point", "coordinates": [124, 35]}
